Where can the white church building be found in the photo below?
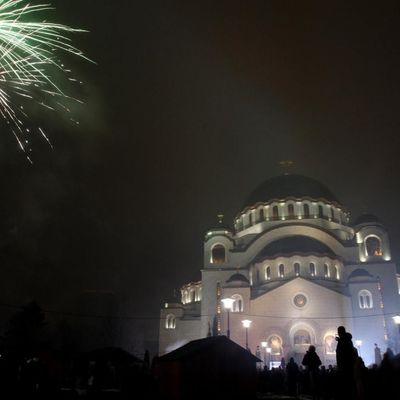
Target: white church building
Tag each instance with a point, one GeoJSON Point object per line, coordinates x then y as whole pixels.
{"type": "Point", "coordinates": [297, 269]}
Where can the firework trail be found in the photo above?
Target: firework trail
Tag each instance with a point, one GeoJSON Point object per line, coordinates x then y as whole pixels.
{"type": "Point", "coordinates": [29, 63]}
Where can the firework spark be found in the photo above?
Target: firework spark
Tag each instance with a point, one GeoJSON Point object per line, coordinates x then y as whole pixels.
{"type": "Point", "coordinates": [29, 63]}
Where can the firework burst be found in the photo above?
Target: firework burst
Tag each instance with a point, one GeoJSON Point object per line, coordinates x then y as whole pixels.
{"type": "Point", "coordinates": [29, 62]}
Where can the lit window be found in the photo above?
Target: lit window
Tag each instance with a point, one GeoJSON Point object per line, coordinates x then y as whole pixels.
{"type": "Point", "coordinates": [275, 343]}
{"type": "Point", "coordinates": [170, 322]}
{"type": "Point", "coordinates": [337, 272]}
{"type": "Point", "coordinates": [218, 254]}
{"type": "Point", "coordinates": [326, 270]}
{"type": "Point", "coordinates": [365, 299]}
{"type": "Point", "coordinates": [330, 344]}
{"type": "Point", "coordinates": [275, 213]}
{"type": "Point", "coordinates": [302, 337]}
{"type": "Point", "coordinates": [262, 214]}
{"type": "Point", "coordinates": [268, 273]}
{"type": "Point", "coordinates": [281, 270]}
{"type": "Point", "coordinates": [297, 269]}
{"type": "Point", "coordinates": [320, 212]}
{"type": "Point", "coordinates": [312, 269]}
{"type": "Point", "coordinates": [373, 246]}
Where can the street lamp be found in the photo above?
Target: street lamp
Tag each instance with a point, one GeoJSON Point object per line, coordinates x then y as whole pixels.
{"type": "Point", "coordinates": [228, 303]}
{"type": "Point", "coordinates": [264, 346]}
{"type": "Point", "coordinates": [246, 323]}
{"type": "Point", "coordinates": [358, 344]}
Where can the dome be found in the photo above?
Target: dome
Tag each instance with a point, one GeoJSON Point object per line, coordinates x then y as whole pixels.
{"type": "Point", "coordinates": [284, 186]}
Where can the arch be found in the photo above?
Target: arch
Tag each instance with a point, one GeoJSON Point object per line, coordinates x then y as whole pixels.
{"type": "Point", "coordinates": [332, 215]}
{"type": "Point", "coordinates": [280, 232]}
{"type": "Point", "coordinates": [306, 210]}
{"type": "Point", "coordinates": [250, 218]}
{"type": "Point", "coordinates": [170, 321]}
{"type": "Point", "coordinates": [261, 214]}
{"type": "Point", "coordinates": [301, 336]}
{"type": "Point", "coordinates": [373, 245]}
{"type": "Point", "coordinates": [365, 299]}
{"type": "Point", "coordinates": [320, 211]}
{"type": "Point", "coordinates": [296, 268]}
{"type": "Point", "coordinates": [237, 306]}
{"type": "Point", "coordinates": [218, 254]}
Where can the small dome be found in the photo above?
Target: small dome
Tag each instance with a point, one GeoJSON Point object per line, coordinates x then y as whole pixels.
{"type": "Point", "coordinates": [238, 278]}
{"type": "Point", "coordinates": [297, 186]}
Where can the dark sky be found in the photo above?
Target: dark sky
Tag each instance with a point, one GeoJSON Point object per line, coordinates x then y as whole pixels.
{"type": "Point", "coordinates": [189, 107]}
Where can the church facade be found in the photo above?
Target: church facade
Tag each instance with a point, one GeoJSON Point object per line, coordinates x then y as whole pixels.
{"type": "Point", "coordinates": [296, 268]}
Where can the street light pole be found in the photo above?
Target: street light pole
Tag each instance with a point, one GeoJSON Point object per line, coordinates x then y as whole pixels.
{"type": "Point", "coordinates": [246, 323]}
{"type": "Point", "coordinates": [228, 303]}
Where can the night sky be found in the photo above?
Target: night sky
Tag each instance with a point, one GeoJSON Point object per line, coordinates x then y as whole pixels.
{"type": "Point", "coordinates": [190, 106]}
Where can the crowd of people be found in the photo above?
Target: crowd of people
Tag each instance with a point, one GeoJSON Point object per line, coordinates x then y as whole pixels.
{"type": "Point", "coordinates": [349, 379]}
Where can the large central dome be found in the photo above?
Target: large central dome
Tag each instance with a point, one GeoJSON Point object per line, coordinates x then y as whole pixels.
{"type": "Point", "coordinates": [282, 187]}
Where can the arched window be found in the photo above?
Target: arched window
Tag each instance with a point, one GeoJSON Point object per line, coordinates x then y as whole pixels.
{"type": "Point", "coordinates": [251, 276]}
{"type": "Point", "coordinates": [237, 306]}
{"type": "Point", "coordinates": [326, 270]}
{"type": "Point", "coordinates": [170, 321]}
{"type": "Point", "coordinates": [330, 344]}
{"type": "Point", "coordinates": [297, 269]}
{"type": "Point", "coordinates": [320, 212]}
{"type": "Point", "coordinates": [262, 217]}
{"type": "Point", "coordinates": [250, 218]}
{"type": "Point", "coordinates": [192, 296]}
{"type": "Point", "coordinates": [268, 273]}
{"type": "Point", "coordinates": [218, 254]}
{"type": "Point", "coordinates": [291, 211]}
{"type": "Point", "coordinates": [365, 299]}
{"type": "Point", "coordinates": [337, 272]}
{"type": "Point", "coordinates": [373, 246]}
{"type": "Point", "coordinates": [275, 213]}
{"type": "Point", "coordinates": [281, 270]}
{"type": "Point", "coordinates": [302, 337]}
{"type": "Point", "coordinates": [306, 208]}
{"type": "Point", "coordinates": [332, 215]}
{"type": "Point", "coordinates": [312, 269]}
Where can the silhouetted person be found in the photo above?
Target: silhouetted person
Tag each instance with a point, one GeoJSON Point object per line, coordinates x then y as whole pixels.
{"type": "Point", "coordinates": [292, 373]}
{"type": "Point", "coordinates": [312, 362]}
{"type": "Point", "coordinates": [346, 356]}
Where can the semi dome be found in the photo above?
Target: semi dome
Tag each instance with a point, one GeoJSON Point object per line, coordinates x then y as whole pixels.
{"type": "Point", "coordinates": [295, 245]}
{"type": "Point", "coordinates": [284, 186]}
